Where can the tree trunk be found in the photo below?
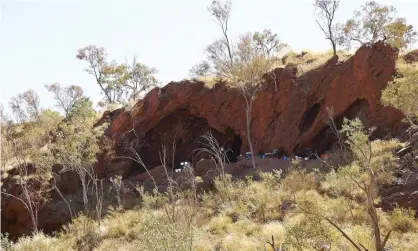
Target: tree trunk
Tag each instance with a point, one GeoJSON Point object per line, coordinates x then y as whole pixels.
{"type": "Point", "coordinates": [334, 48]}
{"type": "Point", "coordinates": [371, 196]}
{"type": "Point", "coordinates": [376, 229]}
{"type": "Point", "coordinates": [30, 205]}
{"type": "Point", "coordinates": [250, 144]}
{"type": "Point", "coordinates": [65, 200]}
{"type": "Point", "coordinates": [85, 198]}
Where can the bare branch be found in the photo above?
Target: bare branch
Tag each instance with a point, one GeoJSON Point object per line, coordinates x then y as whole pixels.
{"type": "Point", "coordinates": [343, 234]}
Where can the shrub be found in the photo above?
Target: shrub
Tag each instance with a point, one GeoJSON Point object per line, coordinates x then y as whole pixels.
{"type": "Point", "coordinates": [245, 227]}
{"type": "Point", "coordinates": [39, 241]}
{"type": "Point", "coordinates": [83, 232]}
{"type": "Point", "coordinates": [4, 242]}
{"type": "Point", "coordinates": [403, 220]}
{"type": "Point", "coordinates": [158, 233]}
{"type": "Point", "coordinates": [238, 242]}
{"type": "Point", "coordinates": [298, 181]}
{"type": "Point", "coordinates": [401, 93]}
{"type": "Point", "coordinates": [275, 229]}
{"type": "Point", "coordinates": [219, 224]}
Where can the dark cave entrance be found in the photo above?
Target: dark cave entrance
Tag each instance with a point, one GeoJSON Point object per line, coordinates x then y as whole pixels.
{"type": "Point", "coordinates": [235, 148]}
{"type": "Point", "coordinates": [325, 140]}
{"type": "Point", "coordinates": [185, 131]}
{"type": "Point", "coordinates": [309, 117]}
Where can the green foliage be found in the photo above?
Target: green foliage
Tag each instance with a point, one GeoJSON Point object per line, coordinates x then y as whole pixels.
{"type": "Point", "coordinates": [29, 142]}
{"type": "Point", "coordinates": [119, 83]}
{"type": "Point", "coordinates": [401, 34]}
{"type": "Point", "coordinates": [157, 228]}
{"type": "Point", "coordinates": [242, 215]}
{"type": "Point", "coordinates": [140, 78]}
{"type": "Point", "coordinates": [4, 242]}
{"type": "Point", "coordinates": [76, 140]}
{"type": "Point", "coordinates": [83, 233]}
{"type": "Point", "coordinates": [267, 42]}
{"type": "Point", "coordinates": [40, 241]}
{"type": "Point", "coordinates": [25, 106]}
{"type": "Point", "coordinates": [66, 97]}
{"type": "Point", "coordinates": [401, 94]}
{"type": "Point", "coordinates": [292, 183]}
{"type": "Point", "coordinates": [247, 199]}
{"type": "Point", "coordinates": [375, 22]}
{"type": "Point", "coordinates": [403, 220]}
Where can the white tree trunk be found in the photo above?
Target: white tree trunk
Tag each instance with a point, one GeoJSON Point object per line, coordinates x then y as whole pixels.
{"type": "Point", "coordinates": [82, 174]}
{"type": "Point", "coordinates": [248, 115]}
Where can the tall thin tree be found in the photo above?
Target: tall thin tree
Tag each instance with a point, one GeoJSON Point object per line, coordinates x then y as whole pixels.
{"type": "Point", "coordinates": [325, 11]}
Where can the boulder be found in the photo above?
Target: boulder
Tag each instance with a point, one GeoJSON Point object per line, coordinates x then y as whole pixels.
{"type": "Point", "coordinates": [411, 57]}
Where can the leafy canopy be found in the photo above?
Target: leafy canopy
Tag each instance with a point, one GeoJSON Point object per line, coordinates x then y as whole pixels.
{"type": "Point", "coordinates": [374, 22]}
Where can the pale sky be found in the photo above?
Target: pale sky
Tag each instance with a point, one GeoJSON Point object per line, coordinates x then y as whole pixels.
{"type": "Point", "coordinates": [40, 38]}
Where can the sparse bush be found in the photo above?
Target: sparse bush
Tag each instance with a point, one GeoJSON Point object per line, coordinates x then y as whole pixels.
{"type": "Point", "coordinates": [158, 233]}
{"type": "Point", "coordinates": [275, 229]}
{"type": "Point", "coordinates": [302, 211]}
{"type": "Point", "coordinates": [243, 215]}
{"type": "Point", "coordinates": [39, 241]}
{"type": "Point", "coordinates": [401, 94]}
{"type": "Point", "coordinates": [298, 181]}
{"type": "Point", "coordinates": [4, 242]}
{"type": "Point", "coordinates": [374, 22]}
{"type": "Point", "coordinates": [83, 232]}
{"type": "Point", "coordinates": [117, 189]}
{"type": "Point", "coordinates": [219, 224]}
{"type": "Point", "coordinates": [238, 242]}
{"type": "Point", "coordinates": [403, 220]}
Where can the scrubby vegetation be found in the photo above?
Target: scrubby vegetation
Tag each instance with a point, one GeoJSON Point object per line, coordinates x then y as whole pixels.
{"type": "Point", "coordinates": [296, 210]}
{"type": "Point", "coordinates": [300, 211]}
{"type": "Point", "coordinates": [401, 93]}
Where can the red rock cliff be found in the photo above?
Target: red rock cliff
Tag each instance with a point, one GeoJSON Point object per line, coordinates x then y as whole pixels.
{"type": "Point", "coordinates": [293, 117]}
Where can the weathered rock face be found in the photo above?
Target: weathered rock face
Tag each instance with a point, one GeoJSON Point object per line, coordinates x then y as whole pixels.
{"type": "Point", "coordinates": [15, 217]}
{"type": "Point", "coordinates": [292, 118]}
{"type": "Point", "coordinates": [404, 192]}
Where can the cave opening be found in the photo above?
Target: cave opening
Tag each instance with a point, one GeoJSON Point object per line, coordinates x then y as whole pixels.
{"type": "Point", "coordinates": [184, 132]}
{"type": "Point", "coordinates": [235, 147]}
{"type": "Point", "coordinates": [326, 140]}
{"type": "Point", "coordinates": [309, 118]}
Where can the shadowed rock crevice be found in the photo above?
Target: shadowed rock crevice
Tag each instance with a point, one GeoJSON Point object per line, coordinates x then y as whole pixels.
{"type": "Point", "coordinates": [325, 140]}
{"type": "Point", "coordinates": [309, 117]}
{"type": "Point", "coordinates": [358, 109]}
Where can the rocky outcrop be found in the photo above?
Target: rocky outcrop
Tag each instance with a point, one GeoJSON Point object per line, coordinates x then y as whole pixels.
{"type": "Point", "coordinates": [291, 118]}
{"type": "Point", "coordinates": [15, 217]}
{"type": "Point", "coordinates": [411, 57]}
{"type": "Point", "coordinates": [404, 192]}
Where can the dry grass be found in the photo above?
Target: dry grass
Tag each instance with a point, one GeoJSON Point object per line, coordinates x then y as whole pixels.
{"type": "Point", "coordinates": [210, 81]}
{"type": "Point", "coordinates": [310, 61]}
{"type": "Point", "coordinates": [405, 68]}
{"type": "Point", "coordinates": [242, 215]}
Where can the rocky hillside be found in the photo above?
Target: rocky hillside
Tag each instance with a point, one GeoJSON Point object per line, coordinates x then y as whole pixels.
{"type": "Point", "coordinates": [291, 118]}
